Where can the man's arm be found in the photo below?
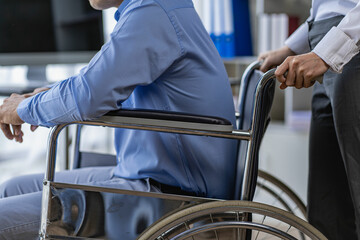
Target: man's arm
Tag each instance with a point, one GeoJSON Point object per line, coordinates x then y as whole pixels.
{"type": "Point", "coordinates": [342, 42]}
{"type": "Point", "coordinates": [336, 49]}
{"type": "Point", "coordinates": [135, 55]}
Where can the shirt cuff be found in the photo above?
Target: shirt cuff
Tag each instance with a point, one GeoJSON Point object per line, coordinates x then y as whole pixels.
{"type": "Point", "coordinates": [336, 49]}
{"type": "Point", "coordinates": [298, 42]}
{"type": "Point", "coordinates": [24, 113]}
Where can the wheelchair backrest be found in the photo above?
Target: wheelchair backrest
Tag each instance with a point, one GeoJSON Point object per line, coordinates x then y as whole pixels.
{"type": "Point", "coordinates": [255, 101]}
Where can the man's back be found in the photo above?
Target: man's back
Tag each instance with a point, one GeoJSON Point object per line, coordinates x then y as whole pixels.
{"type": "Point", "coordinates": [194, 81]}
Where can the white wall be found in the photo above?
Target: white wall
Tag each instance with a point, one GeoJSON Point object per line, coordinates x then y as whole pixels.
{"type": "Point", "coordinates": [284, 154]}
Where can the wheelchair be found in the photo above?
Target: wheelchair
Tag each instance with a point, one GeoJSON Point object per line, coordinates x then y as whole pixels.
{"type": "Point", "coordinates": [72, 211]}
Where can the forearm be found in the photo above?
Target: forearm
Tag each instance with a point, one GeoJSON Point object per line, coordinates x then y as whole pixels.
{"type": "Point", "coordinates": [55, 106]}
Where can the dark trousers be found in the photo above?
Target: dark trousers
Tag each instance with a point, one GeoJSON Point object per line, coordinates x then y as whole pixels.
{"type": "Point", "coordinates": [334, 153]}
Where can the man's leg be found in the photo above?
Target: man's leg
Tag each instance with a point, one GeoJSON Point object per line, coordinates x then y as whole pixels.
{"type": "Point", "coordinates": [20, 205]}
{"type": "Point", "coordinates": [329, 203]}
{"type": "Point", "coordinates": [20, 217]}
{"type": "Point", "coordinates": [33, 182]}
{"type": "Point", "coordinates": [346, 107]}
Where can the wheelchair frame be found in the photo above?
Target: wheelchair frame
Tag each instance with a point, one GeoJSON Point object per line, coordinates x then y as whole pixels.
{"type": "Point", "coordinates": [160, 125]}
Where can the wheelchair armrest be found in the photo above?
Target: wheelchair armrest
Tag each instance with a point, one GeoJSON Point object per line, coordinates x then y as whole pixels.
{"type": "Point", "coordinates": [167, 119]}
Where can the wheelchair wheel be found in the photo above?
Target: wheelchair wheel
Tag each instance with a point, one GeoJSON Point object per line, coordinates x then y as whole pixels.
{"type": "Point", "coordinates": [272, 191]}
{"type": "Point", "coordinates": [229, 220]}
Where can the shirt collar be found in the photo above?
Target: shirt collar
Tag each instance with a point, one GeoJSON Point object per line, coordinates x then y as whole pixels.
{"type": "Point", "coordinates": [120, 9]}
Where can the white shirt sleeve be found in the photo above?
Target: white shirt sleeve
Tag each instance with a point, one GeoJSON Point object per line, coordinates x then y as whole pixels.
{"type": "Point", "coordinates": [341, 43]}
{"type": "Point", "coordinates": [298, 42]}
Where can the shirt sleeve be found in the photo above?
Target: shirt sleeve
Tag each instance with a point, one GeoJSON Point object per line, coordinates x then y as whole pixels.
{"type": "Point", "coordinates": [341, 43]}
{"type": "Point", "coordinates": [143, 45]}
{"type": "Point", "coordinates": [298, 42]}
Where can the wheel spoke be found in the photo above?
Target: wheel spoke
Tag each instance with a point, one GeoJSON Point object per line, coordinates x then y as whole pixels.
{"type": "Point", "coordinates": [212, 220]}
{"type": "Point", "coordinates": [257, 235]}
{"type": "Point", "coordinates": [263, 220]}
{"type": "Point", "coordinates": [187, 227]}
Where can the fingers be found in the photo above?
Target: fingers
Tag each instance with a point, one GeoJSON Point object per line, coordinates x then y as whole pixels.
{"type": "Point", "coordinates": [42, 89]}
{"type": "Point", "coordinates": [280, 73]}
{"type": "Point", "coordinates": [309, 79]}
{"type": "Point", "coordinates": [266, 65]}
{"type": "Point", "coordinates": [267, 61]}
{"type": "Point", "coordinates": [283, 86]}
{"type": "Point", "coordinates": [273, 58]}
{"type": "Point", "coordinates": [5, 128]}
{"type": "Point", "coordinates": [299, 71]}
{"type": "Point", "coordinates": [18, 134]}
{"type": "Point", "coordinates": [264, 61]}
{"type": "Point", "coordinates": [299, 83]}
{"type": "Point", "coordinates": [27, 95]}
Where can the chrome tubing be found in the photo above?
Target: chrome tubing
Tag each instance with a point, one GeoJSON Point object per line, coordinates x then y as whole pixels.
{"type": "Point", "coordinates": [51, 153]}
{"type": "Point", "coordinates": [249, 69]}
{"type": "Point", "coordinates": [249, 165]}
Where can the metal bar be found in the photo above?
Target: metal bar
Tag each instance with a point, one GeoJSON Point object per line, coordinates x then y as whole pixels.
{"type": "Point", "coordinates": [51, 154]}
{"type": "Point", "coordinates": [76, 153]}
{"type": "Point", "coordinates": [45, 210]}
{"type": "Point", "coordinates": [248, 70]}
{"type": "Point", "coordinates": [131, 192]}
{"type": "Point", "coordinates": [234, 134]}
{"type": "Point", "coordinates": [249, 165]}
{"type": "Point", "coordinates": [248, 169]}
{"type": "Point", "coordinates": [67, 145]}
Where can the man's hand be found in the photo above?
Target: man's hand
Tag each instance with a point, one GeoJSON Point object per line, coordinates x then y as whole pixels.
{"type": "Point", "coordinates": [9, 116]}
{"type": "Point", "coordinates": [274, 58]}
{"type": "Point", "coordinates": [301, 70]}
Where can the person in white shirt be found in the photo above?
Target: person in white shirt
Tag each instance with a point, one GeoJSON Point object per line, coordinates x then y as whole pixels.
{"type": "Point", "coordinates": [327, 47]}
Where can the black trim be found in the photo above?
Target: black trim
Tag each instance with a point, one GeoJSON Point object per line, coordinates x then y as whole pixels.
{"type": "Point", "coordinates": [168, 115]}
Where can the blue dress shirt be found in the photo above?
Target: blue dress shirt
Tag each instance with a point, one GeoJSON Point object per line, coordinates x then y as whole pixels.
{"type": "Point", "coordinates": [159, 57]}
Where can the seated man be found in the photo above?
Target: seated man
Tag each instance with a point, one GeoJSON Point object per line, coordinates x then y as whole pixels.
{"type": "Point", "coordinates": [159, 57]}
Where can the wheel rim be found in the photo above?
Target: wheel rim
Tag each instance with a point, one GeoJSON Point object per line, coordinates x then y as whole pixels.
{"type": "Point", "coordinates": [189, 218]}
